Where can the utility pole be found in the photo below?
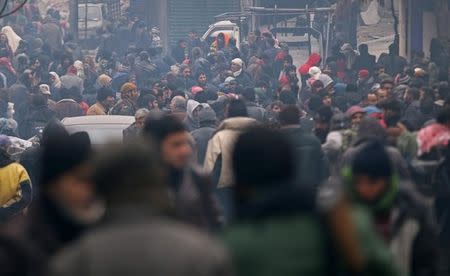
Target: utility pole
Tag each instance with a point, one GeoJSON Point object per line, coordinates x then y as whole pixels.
{"type": "Point", "coordinates": [347, 14]}
{"type": "Point", "coordinates": [73, 8]}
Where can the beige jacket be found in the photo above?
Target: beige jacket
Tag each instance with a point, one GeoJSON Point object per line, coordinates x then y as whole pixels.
{"type": "Point", "coordinates": [222, 143]}
{"type": "Point", "coordinates": [96, 109]}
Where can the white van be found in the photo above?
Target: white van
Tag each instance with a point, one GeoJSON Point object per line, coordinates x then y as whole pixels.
{"type": "Point", "coordinates": [227, 27]}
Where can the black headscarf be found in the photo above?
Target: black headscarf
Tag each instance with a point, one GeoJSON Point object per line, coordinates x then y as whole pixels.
{"type": "Point", "coordinates": [5, 158]}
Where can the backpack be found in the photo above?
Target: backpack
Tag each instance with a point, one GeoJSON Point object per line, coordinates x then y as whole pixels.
{"type": "Point", "coordinates": [431, 173]}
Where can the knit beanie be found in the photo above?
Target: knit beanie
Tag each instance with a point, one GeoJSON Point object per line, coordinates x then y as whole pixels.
{"type": "Point", "coordinates": [61, 153]}
{"type": "Point", "coordinates": [104, 80]}
{"type": "Point", "coordinates": [127, 87]}
{"type": "Point", "coordinates": [103, 93]}
{"type": "Point", "coordinates": [373, 161]}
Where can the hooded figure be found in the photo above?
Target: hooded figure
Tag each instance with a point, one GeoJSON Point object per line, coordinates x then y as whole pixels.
{"type": "Point", "coordinates": [193, 108]}
{"type": "Point", "coordinates": [207, 126]}
{"type": "Point", "coordinates": [350, 55]}
{"type": "Point", "coordinates": [13, 38]}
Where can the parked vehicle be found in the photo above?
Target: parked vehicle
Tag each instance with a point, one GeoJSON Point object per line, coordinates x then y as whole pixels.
{"type": "Point", "coordinates": [227, 27]}
{"type": "Point", "coordinates": [91, 17]}
{"type": "Point", "coordinates": [101, 129]}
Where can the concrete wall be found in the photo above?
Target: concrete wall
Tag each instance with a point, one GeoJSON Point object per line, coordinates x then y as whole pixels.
{"type": "Point", "coordinates": [417, 27]}
{"type": "Point", "coordinates": [429, 31]}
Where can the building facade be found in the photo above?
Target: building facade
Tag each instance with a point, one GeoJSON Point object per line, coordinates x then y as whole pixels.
{"type": "Point", "coordinates": [176, 18]}
{"type": "Point", "coordinates": [419, 22]}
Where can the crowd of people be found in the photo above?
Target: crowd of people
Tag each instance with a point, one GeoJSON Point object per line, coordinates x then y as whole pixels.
{"type": "Point", "coordinates": [238, 163]}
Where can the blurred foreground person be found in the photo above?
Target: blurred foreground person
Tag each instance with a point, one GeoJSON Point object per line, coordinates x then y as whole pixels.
{"type": "Point", "coordinates": [15, 189]}
{"type": "Point", "coordinates": [191, 189]}
{"type": "Point", "coordinates": [402, 218]}
{"type": "Point", "coordinates": [135, 238]}
{"type": "Point", "coordinates": [65, 207]}
{"type": "Point", "coordinates": [279, 230]}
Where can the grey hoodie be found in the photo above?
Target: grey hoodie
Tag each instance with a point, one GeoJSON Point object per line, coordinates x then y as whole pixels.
{"type": "Point", "coordinates": [207, 119]}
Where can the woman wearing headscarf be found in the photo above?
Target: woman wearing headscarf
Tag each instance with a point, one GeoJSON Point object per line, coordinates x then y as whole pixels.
{"type": "Point", "coordinates": [350, 55]}
{"type": "Point", "coordinates": [80, 69]}
{"type": "Point", "coordinates": [55, 86]}
{"type": "Point", "coordinates": [13, 38]}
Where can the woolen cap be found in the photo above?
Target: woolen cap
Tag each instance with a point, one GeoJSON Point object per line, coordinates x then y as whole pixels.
{"type": "Point", "coordinates": [354, 110]}
{"type": "Point", "coordinates": [103, 93]}
{"type": "Point", "coordinates": [62, 153]}
{"type": "Point", "coordinates": [128, 87]}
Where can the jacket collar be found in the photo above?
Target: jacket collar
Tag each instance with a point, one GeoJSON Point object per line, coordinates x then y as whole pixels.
{"type": "Point", "coordinates": [237, 123]}
{"type": "Point", "coordinates": [278, 202]}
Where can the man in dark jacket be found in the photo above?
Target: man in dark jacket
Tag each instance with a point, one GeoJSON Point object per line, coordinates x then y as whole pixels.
{"type": "Point", "coordinates": [67, 107]}
{"type": "Point", "coordinates": [179, 52]}
{"type": "Point", "coordinates": [392, 62]}
{"type": "Point", "coordinates": [127, 105]}
{"type": "Point", "coordinates": [312, 165]}
{"type": "Point", "coordinates": [18, 92]}
{"type": "Point", "coordinates": [254, 111]}
{"type": "Point", "coordinates": [209, 89]}
{"type": "Point", "coordinates": [52, 34]}
{"type": "Point", "coordinates": [413, 114]}
{"type": "Point", "coordinates": [37, 118]}
{"type": "Point", "coordinates": [145, 70]}
{"type": "Point", "coordinates": [208, 124]}
{"type": "Point", "coordinates": [190, 188]}
{"type": "Point", "coordinates": [364, 60]}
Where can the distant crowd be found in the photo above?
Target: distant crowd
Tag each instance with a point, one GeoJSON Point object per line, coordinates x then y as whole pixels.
{"type": "Point", "coordinates": [339, 165]}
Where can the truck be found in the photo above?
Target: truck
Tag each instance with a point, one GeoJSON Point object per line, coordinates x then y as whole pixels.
{"type": "Point", "coordinates": [293, 27]}
{"type": "Point", "coordinates": [93, 14]}
{"type": "Point", "coordinates": [91, 17]}
{"type": "Point", "coordinates": [227, 27]}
